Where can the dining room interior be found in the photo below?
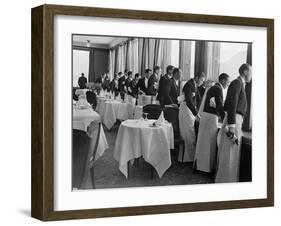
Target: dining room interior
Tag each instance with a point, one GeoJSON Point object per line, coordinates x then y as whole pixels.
{"type": "Point", "coordinates": [141, 108]}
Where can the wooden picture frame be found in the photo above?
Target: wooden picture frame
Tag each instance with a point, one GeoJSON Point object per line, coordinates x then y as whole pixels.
{"type": "Point", "coordinates": [42, 203]}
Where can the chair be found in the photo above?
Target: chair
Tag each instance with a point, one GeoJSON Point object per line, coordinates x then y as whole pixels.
{"type": "Point", "coordinates": [74, 96]}
{"type": "Point", "coordinates": [153, 110]}
{"type": "Point", "coordinates": [91, 98]}
{"type": "Point", "coordinates": [171, 115]}
{"type": "Point", "coordinates": [83, 155]}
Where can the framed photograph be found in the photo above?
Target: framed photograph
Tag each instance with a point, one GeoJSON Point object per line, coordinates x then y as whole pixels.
{"type": "Point", "coordinates": [142, 112]}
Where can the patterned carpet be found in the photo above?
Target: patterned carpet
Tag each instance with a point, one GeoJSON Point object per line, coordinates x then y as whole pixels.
{"type": "Point", "coordinates": [107, 174]}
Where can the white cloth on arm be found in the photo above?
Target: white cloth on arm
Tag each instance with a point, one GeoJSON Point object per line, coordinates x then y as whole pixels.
{"type": "Point", "coordinates": [229, 153]}
{"type": "Point", "coordinates": [187, 132]}
{"type": "Point", "coordinates": [205, 154]}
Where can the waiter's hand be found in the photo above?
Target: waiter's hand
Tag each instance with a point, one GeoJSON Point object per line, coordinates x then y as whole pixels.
{"type": "Point", "coordinates": [197, 117]}
{"type": "Point", "coordinates": [231, 129]}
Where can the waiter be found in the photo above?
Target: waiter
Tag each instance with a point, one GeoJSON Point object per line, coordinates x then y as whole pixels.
{"type": "Point", "coordinates": [162, 81]}
{"type": "Point", "coordinates": [230, 134]}
{"type": "Point", "coordinates": [207, 136]}
{"type": "Point", "coordinates": [82, 81]}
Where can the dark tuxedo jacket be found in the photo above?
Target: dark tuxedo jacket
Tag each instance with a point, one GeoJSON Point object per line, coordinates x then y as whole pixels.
{"type": "Point", "coordinates": [106, 84]}
{"type": "Point", "coordinates": [236, 101]}
{"type": "Point", "coordinates": [122, 83]}
{"type": "Point", "coordinates": [161, 88]}
{"type": "Point", "coordinates": [141, 85]}
{"type": "Point", "coordinates": [129, 85]}
{"type": "Point", "coordinates": [191, 95]}
{"type": "Point", "coordinates": [99, 80]}
{"type": "Point", "coordinates": [134, 88]}
{"type": "Point", "coordinates": [114, 86]}
{"type": "Point", "coordinates": [215, 92]}
{"type": "Point", "coordinates": [151, 89]}
{"type": "Point", "coordinates": [82, 82]}
{"type": "Point", "coordinates": [170, 92]}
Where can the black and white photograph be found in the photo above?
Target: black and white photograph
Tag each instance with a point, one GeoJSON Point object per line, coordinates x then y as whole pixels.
{"type": "Point", "coordinates": [160, 112]}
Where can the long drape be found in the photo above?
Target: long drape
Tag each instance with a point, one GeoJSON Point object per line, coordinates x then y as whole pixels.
{"type": "Point", "coordinates": [247, 123]}
{"type": "Point", "coordinates": [111, 63]}
{"type": "Point", "coordinates": [200, 64]}
{"type": "Point", "coordinates": [185, 59]}
{"type": "Point", "coordinates": [91, 66]}
{"type": "Point", "coordinates": [213, 60]}
{"type": "Point", "coordinates": [207, 59]}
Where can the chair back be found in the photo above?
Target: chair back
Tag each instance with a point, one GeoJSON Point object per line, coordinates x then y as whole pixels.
{"type": "Point", "coordinates": [171, 115]}
{"type": "Point", "coordinates": [80, 149]}
{"type": "Point", "coordinates": [153, 110]}
{"type": "Point", "coordinates": [91, 98]}
{"type": "Point", "coordinates": [94, 133]}
{"type": "Point", "coordinates": [74, 96]}
{"type": "Point", "coordinates": [146, 99]}
{"type": "Point", "coordinates": [85, 147]}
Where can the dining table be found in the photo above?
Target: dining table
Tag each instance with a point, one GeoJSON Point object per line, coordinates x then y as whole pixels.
{"type": "Point", "coordinates": [112, 109]}
{"type": "Point", "coordinates": [147, 139]}
{"type": "Point", "coordinates": [82, 119]}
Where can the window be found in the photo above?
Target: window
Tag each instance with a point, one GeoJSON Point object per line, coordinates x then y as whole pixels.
{"type": "Point", "coordinates": [80, 65]}
{"type": "Point", "coordinates": [232, 56]}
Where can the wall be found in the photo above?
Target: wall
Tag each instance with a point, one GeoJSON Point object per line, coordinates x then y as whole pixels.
{"type": "Point", "coordinates": [15, 115]}
{"type": "Point", "coordinates": [101, 61]}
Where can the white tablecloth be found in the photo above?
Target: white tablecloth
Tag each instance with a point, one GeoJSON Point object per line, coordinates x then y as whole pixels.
{"type": "Point", "coordinates": [82, 118]}
{"type": "Point", "coordinates": [101, 105]}
{"type": "Point", "coordinates": [81, 91]}
{"type": "Point", "coordinates": [115, 109]}
{"type": "Point", "coordinates": [137, 138]}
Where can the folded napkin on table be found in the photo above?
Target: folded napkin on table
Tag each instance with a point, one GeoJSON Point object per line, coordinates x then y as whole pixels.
{"type": "Point", "coordinates": [161, 120]}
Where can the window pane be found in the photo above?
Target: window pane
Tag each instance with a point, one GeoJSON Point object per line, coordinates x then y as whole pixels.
{"type": "Point", "coordinates": [232, 56]}
{"type": "Point", "coordinates": [80, 65]}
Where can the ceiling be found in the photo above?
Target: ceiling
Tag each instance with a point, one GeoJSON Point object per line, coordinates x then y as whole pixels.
{"type": "Point", "coordinates": [98, 40]}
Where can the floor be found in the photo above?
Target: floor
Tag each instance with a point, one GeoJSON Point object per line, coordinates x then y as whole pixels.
{"type": "Point", "coordinates": [107, 174]}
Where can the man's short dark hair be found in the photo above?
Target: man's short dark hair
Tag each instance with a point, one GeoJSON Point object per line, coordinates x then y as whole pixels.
{"type": "Point", "coordinates": [120, 73]}
{"type": "Point", "coordinates": [137, 75]}
{"type": "Point", "coordinates": [126, 70]}
{"type": "Point", "coordinates": [147, 70]}
{"type": "Point", "coordinates": [82, 74]}
{"type": "Point", "coordinates": [223, 76]}
{"type": "Point", "coordinates": [244, 67]}
{"type": "Point", "coordinates": [130, 72]}
{"type": "Point", "coordinates": [156, 68]}
{"type": "Point", "coordinates": [200, 75]}
{"type": "Point", "coordinates": [169, 67]}
{"type": "Point", "coordinates": [176, 70]}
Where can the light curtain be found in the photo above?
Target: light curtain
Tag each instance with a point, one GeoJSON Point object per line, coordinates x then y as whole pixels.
{"type": "Point", "coordinates": [138, 54]}
{"type": "Point", "coordinates": [120, 59]}
{"type": "Point", "coordinates": [111, 63]}
{"type": "Point", "coordinates": [135, 56]}
{"type": "Point", "coordinates": [166, 56]}
{"type": "Point", "coordinates": [213, 60]}
{"type": "Point", "coordinates": [185, 59]}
